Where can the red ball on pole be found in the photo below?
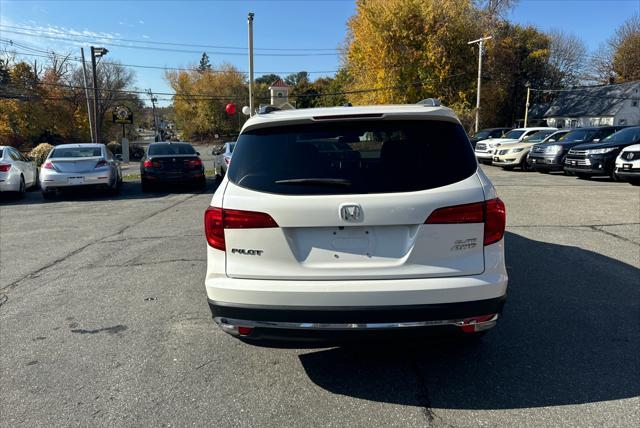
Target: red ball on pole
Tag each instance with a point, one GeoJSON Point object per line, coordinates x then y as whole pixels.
{"type": "Point", "coordinates": [230, 109]}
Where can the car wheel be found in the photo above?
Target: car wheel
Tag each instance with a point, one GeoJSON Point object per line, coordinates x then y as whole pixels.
{"type": "Point", "coordinates": [22, 189]}
{"type": "Point", "coordinates": [146, 186]}
{"type": "Point", "coordinates": [583, 176]}
{"type": "Point", "coordinates": [525, 166]}
{"type": "Point", "coordinates": [614, 176]}
{"type": "Point", "coordinates": [201, 184]}
{"type": "Point", "coordinates": [47, 194]}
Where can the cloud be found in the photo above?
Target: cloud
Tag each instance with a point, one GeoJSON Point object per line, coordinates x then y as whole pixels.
{"type": "Point", "coordinates": [141, 22]}
{"type": "Point", "coordinates": [144, 36]}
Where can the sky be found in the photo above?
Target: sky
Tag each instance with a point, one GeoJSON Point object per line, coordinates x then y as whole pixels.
{"type": "Point", "coordinates": [288, 35]}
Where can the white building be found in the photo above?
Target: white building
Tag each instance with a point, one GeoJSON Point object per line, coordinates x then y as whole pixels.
{"type": "Point", "coordinates": [280, 95]}
{"type": "Point", "coordinates": [617, 104]}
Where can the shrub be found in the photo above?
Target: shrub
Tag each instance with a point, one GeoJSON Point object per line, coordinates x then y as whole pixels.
{"type": "Point", "coordinates": [115, 147]}
{"type": "Point", "coordinates": [40, 153]}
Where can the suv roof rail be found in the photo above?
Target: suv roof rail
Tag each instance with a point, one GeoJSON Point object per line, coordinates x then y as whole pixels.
{"type": "Point", "coordinates": [268, 109]}
{"type": "Point", "coordinates": [430, 102]}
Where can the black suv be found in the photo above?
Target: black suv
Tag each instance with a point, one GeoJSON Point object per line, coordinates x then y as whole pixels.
{"type": "Point", "coordinates": [586, 160]}
{"type": "Point", "coordinates": [550, 156]}
{"type": "Point", "coordinates": [485, 134]}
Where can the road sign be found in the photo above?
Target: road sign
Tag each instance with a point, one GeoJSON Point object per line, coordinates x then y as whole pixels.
{"type": "Point", "coordinates": [122, 114]}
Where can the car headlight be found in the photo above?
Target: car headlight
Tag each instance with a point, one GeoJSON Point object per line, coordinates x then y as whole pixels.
{"type": "Point", "coordinates": [600, 151]}
{"type": "Point", "coordinates": [516, 150]}
{"type": "Point", "coordinates": [556, 148]}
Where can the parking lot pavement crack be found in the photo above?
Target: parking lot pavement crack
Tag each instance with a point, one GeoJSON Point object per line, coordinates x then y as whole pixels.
{"type": "Point", "coordinates": [33, 274]}
{"type": "Point", "coordinates": [597, 228]}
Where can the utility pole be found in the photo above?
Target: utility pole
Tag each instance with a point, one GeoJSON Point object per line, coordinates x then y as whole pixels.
{"type": "Point", "coordinates": [86, 94]}
{"type": "Point", "coordinates": [250, 22]}
{"type": "Point", "coordinates": [99, 53]}
{"type": "Point", "coordinates": [480, 43]}
{"type": "Point", "coordinates": [526, 110]}
{"type": "Point", "coordinates": [155, 116]}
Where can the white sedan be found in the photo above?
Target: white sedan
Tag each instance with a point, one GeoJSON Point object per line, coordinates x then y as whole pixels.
{"type": "Point", "coordinates": [17, 173]}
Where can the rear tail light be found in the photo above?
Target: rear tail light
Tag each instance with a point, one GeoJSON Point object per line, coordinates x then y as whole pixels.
{"type": "Point", "coordinates": [491, 213]}
{"type": "Point", "coordinates": [227, 161]}
{"type": "Point", "coordinates": [101, 163]}
{"type": "Point", "coordinates": [151, 164]}
{"type": "Point", "coordinates": [4, 167]}
{"type": "Point", "coordinates": [193, 163]}
{"type": "Point", "coordinates": [216, 220]}
{"type": "Point", "coordinates": [479, 323]}
{"type": "Point", "coordinates": [47, 165]}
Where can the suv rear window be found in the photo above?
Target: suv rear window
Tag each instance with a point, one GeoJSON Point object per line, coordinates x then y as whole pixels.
{"type": "Point", "coordinates": [352, 157]}
{"type": "Point", "coordinates": [171, 149]}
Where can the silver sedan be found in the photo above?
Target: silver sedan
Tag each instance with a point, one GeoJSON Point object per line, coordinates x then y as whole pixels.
{"type": "Point", "coordinates": [71, 166]}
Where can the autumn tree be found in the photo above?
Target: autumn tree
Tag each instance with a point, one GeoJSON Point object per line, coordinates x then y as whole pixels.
{"type": "Point", "coordinates": [567, 59]}
{"type": "Point", "coordinates": [618, 60]}
{"type": "Point", "coordinates": [200, 99]}
{"type": "Point", "coordinates": [401, 51]}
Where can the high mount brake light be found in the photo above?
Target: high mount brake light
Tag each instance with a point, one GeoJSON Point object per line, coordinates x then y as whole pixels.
{"type": "Point", "coordinates": [491, 213]}
{"type": "Point", "coordinates": [216, 220]}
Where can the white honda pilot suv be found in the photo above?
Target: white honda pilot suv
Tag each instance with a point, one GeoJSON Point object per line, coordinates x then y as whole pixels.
{"type": "Point", "coordinates": [336, 220]}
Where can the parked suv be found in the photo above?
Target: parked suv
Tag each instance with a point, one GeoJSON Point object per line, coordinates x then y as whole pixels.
{"type": "Point", "coordinates": [485, 134]}
{"type": "Point", "coordinates": [587, 160]}
{"type": "Point", "coordinates": [337, 220]}
{"type": "Point", "coordinates": [485, 150]}
{"type": "Point", "coordinates": [628, 164]}
{"type": "Point", "coordinates": [549, 156]}
{"type": "Point", "coordinates": [515, 155]}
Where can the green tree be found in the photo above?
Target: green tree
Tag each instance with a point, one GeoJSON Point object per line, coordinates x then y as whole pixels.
{"type": "Point", "coordinates": [267, 79]}
{"type": "Point", "coordinates": [204, 65]}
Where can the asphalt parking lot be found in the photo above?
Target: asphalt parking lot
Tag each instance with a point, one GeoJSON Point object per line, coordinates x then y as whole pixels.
{"type": "Point", "coordinates": [104, 321]}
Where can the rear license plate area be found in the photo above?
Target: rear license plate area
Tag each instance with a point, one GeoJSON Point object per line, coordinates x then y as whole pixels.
{"type": "Point", "coordinates": [75, 180]}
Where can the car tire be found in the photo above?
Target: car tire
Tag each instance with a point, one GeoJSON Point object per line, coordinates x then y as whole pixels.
{"type": "Point", "coordinates": [543, 171]}
{"type": "Point", "coordinates": [22, 189]}
{"type": "Point", "coordinates": [525, 166]}
{"type": "Point", "coordinates": [613, 175]}
{"type": "Point", "coordinates": [146, 186]}
{"type": "Point", "coordinates": [201, 184]}
{"type": "Point", "coordinates": [634, 181]}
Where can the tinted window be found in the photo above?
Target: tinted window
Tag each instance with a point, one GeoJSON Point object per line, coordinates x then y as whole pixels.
{"type": "Point", "coordinates": [498, 133]}
{"type": "Point", "coordinates": [579, 135]}
{"type": "Point", "coordinates": [76, 152]}
{"type": "Point", "coordinates": [482, 135]}
{"type": "Point", "coordinates": [513, 134]}
{"type": "Point", "coordinates": [352, 157]}
{"type": "Point", "coordinates": [538, 136]}
{"type": "Point", "coordinates": [627, 135]}
{"type": "Point", "coordinates": [171, 149]}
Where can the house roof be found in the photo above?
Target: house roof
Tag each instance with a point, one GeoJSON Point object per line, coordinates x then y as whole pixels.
{"type": "Point", "coordinates": [279, 84]}
{"type": "Point", "coordinates": [605, 100]}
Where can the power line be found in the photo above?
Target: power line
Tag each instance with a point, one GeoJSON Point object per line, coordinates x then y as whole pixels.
{"type": "Point", "coordinates": [108, 43]}
{"type": "Point", "coordinates": [153, 42]}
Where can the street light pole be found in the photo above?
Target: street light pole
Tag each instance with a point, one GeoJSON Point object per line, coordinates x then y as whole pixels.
{"type": "Point", "coordinates": [250, 22]}
{"type": "Point", "coordinates": [526, 110]}
{"type": "Point", "coordinates": [480, 43]}
{"type": "Point", "coordinates": [96, 52]}
{"type": "Point", "coordinates": [86, 94]}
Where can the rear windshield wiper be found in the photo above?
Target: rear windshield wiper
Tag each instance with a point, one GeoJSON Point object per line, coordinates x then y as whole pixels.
{"type": "Point", "coordinates": [316, 181]}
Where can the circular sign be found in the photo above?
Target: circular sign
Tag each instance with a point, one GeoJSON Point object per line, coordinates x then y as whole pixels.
{"type": "Point", "coordinates": [230, 109]}
{"type": "Point", "coordinates": [122, 114]}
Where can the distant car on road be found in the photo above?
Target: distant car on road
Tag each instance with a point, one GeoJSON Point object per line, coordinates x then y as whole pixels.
{"type": "Point", "coordinates": [222, 158]}
{"type": "Point", "coordinates": [485, 134]}
{"type": "Point", "coordinates": [171, 163]}
{"type": "Point", "coordinates": [485, 150]}
{"type": "Point", "coordinates": [17, 172]}
{"type": "Point", "coordinates": [628, 164]}
{"type": "Point", "coordinates": [549, 155]}
{"type": "Point", "coordinates": [587, 160]}
{"type": "Point", "coordinates": [74, 166]}
{"type": "Point", "coordinates": [515, 155]}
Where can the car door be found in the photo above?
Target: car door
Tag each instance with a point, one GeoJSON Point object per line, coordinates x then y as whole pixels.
{"type": "Point", "coordinates": [20, 165]}
{"type": "Point", "coordinates": [31, 168]}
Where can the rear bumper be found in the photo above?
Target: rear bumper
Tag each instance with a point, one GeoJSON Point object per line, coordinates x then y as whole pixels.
{"type": "Point", "coordinates": [325, 323]}
{"type": "Point", "coordinates": [52, 180]}
{"type": "Point", "coordinates": [173, 177]}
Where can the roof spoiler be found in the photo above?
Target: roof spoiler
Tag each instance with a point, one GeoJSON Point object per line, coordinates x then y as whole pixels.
{"type": "Point", "coordinates": [430, 102]}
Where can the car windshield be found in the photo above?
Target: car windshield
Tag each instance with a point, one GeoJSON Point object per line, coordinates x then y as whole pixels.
{"type": "Point", "coordinates": [171, 149]}
{"type": "Point", "coordinates": [352, 157]}
{"type": "Point", "coordinates": [513, 134]}
{"type": "Point", "coordinates": [579, 135]}
{"type": "Point", "coordinates": [627, 135]}
{"type": "Point", "coordinates": [482, 135]}
{"type": "Point", "coordinates": [76, 152]}
{"type": "Point", "coordinates": [538, 136]}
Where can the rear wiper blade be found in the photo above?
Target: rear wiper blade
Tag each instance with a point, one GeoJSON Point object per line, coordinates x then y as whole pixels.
{"type": "Point", "coordinates": [316, 181]}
